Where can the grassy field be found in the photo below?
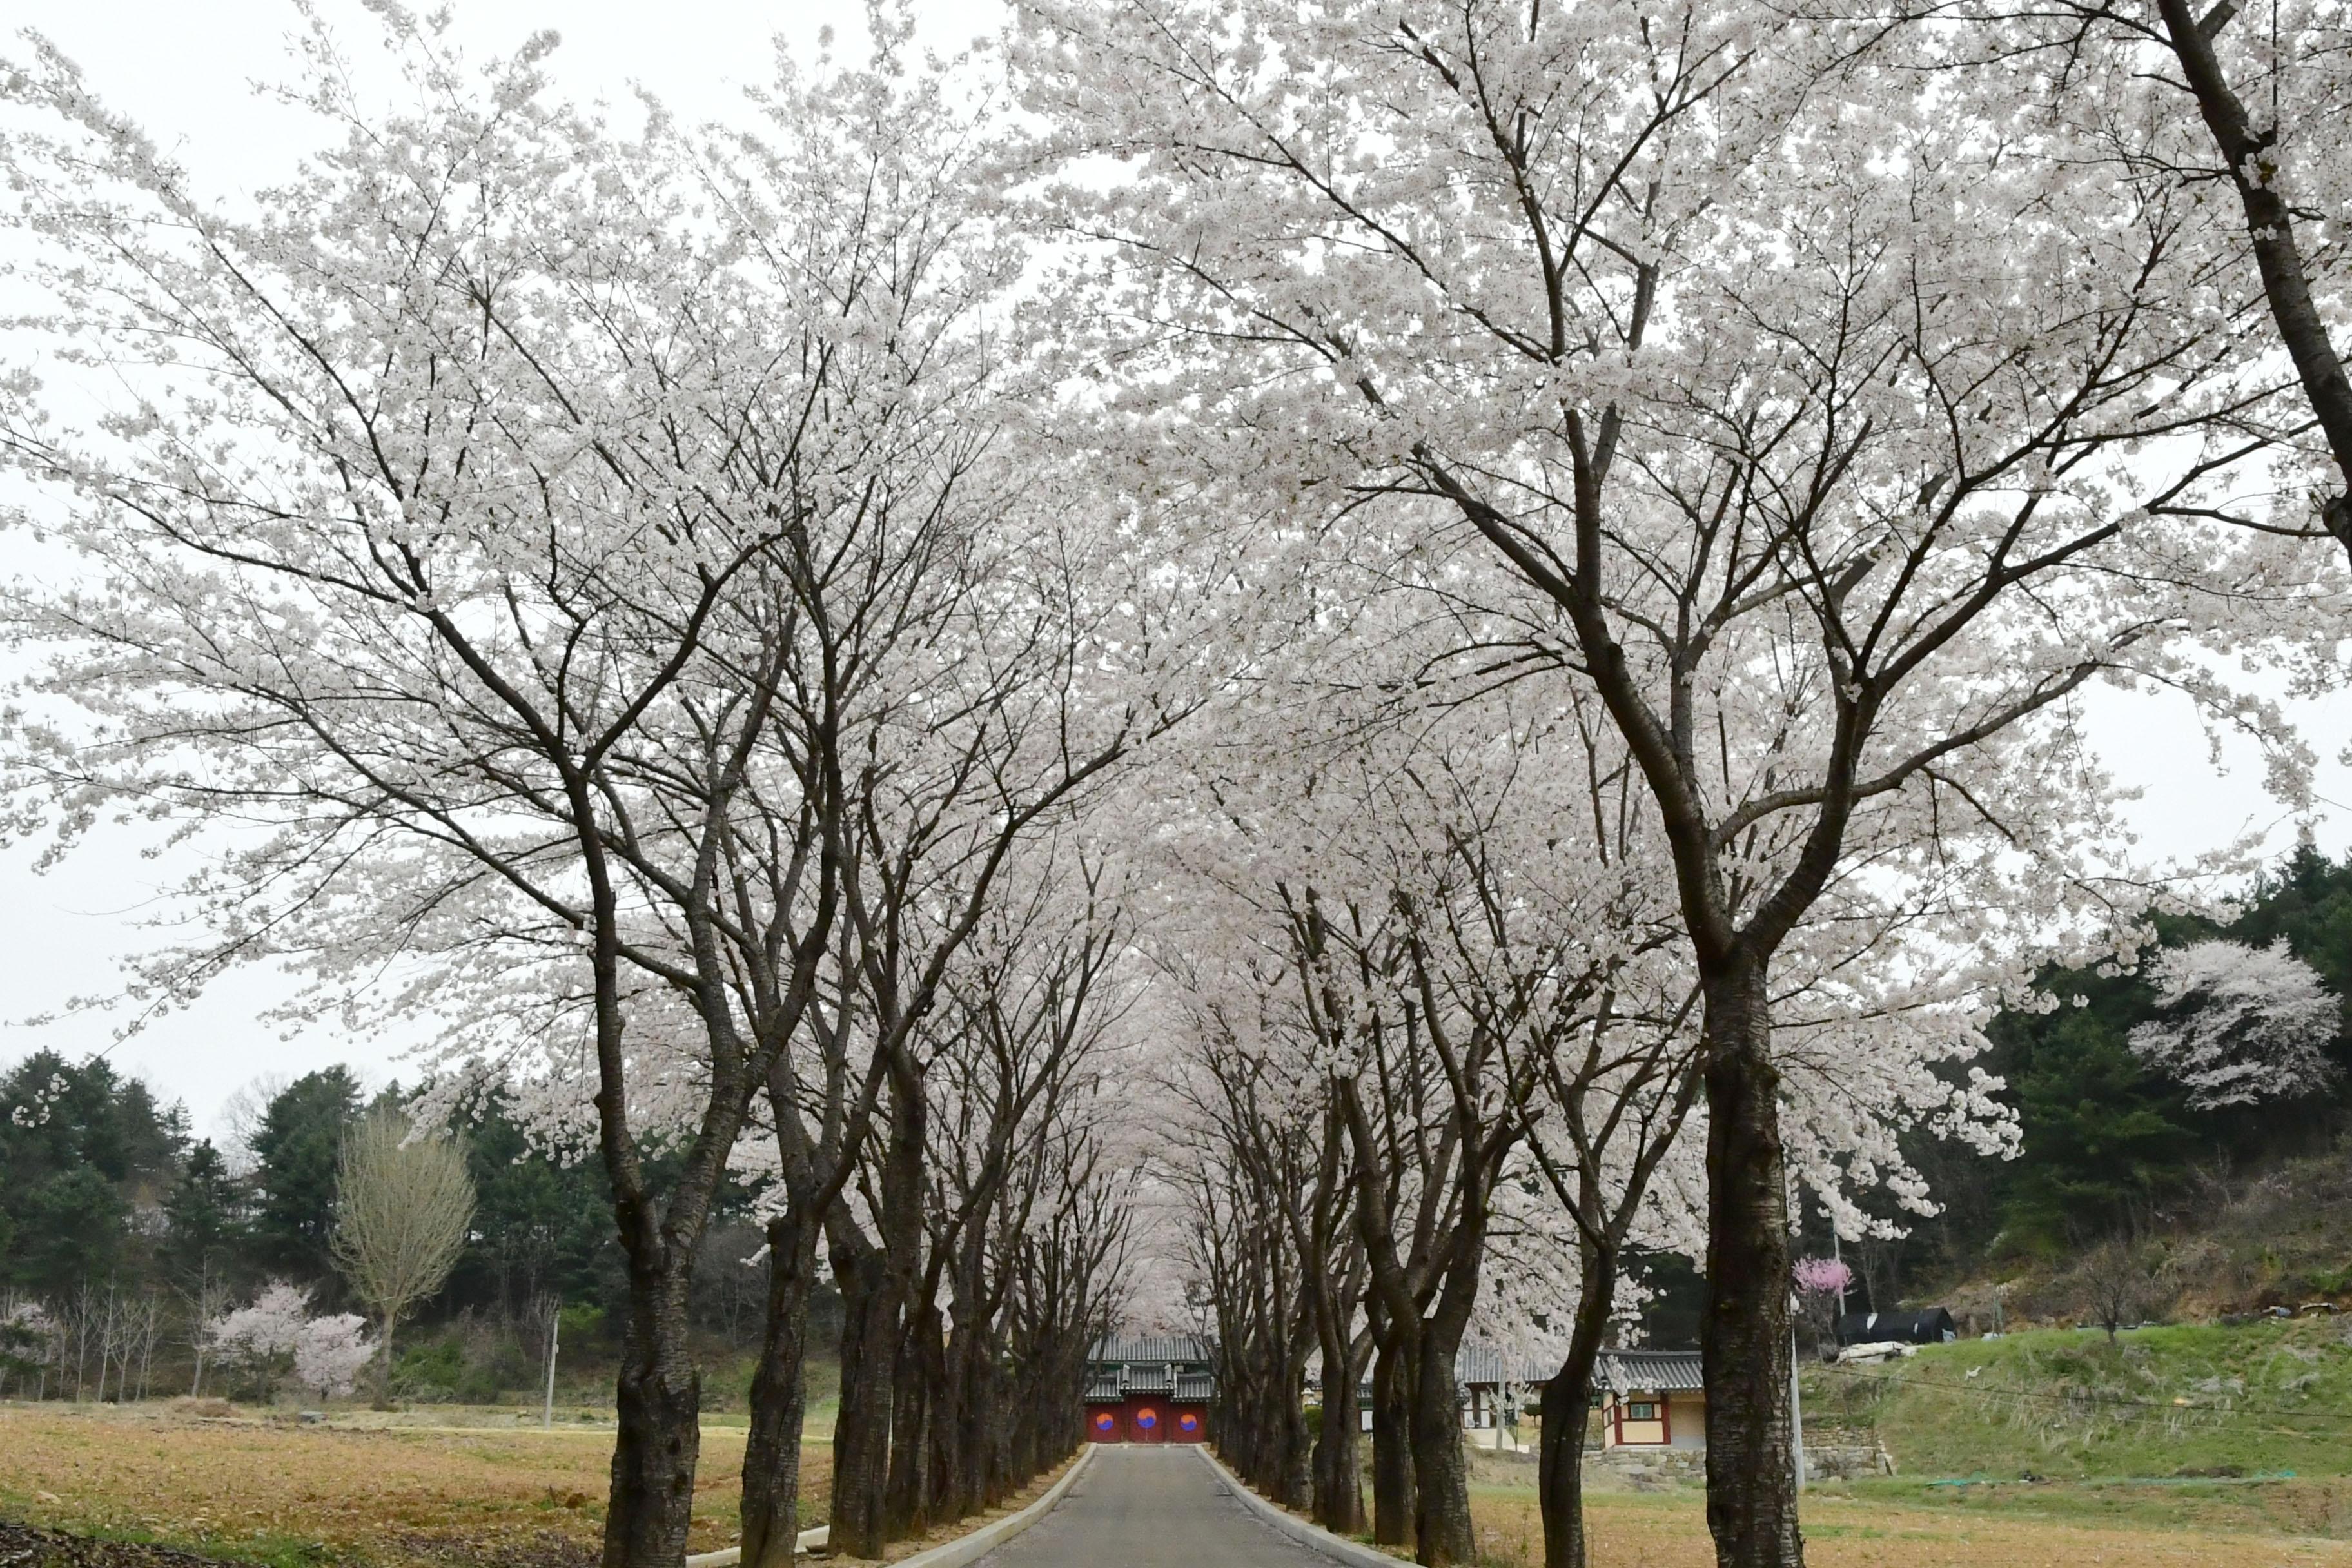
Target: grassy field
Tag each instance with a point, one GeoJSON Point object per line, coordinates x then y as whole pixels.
{"type": "Point", "coordinates": [2171, 1445]}
{"type": "Point", "coordinates": [445, 1484]}
{"type": "Point", "coordinates": [2171, 1404]}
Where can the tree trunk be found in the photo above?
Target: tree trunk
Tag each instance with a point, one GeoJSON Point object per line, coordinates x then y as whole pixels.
{"type": "Point", "coordinates": [1338, 1489]}
{"type": "Point", "coordinates": [771, 1450]}
{"type": "Point", "coordinates": [1751, 1500]}
{"type": "Point", "coordinates": [1294, 1456]}
{"type": "Point", "coordinates": [861, 1439]}
{"type": "Point", "coordinates": [956, 1434]}
{"type": "Point", "coordinates": [658, 1402]}
{"type": "Point", "coordinates": [1392, 1482]}
{"type": "Point", "coordinates": [1441, 1471]}
{"type": "Point", "coordinates": [1567, 1414]}
{"type": "Point", "coordinates": [900, 1219]}
{"type": "Point", "coordinates": [384, 1366]}
{"type": "Point", "coordinates": [914, 1398]}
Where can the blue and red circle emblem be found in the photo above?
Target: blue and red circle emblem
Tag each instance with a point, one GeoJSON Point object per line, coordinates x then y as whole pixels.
{"type": "Point", "coordinates": [1146, 1419]}
{"type": "Point", "coordinates": [1105, 1421]}
{"type": "Point", "coordinates": [1188, 1423]}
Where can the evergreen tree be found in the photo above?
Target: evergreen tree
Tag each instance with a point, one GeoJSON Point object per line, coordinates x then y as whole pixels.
{"type": "Point", "coordinates": [2105, 1139]}
{"type": "Point", "coordinates": [206, 1215]}
{"type": "Point", "coordinates": [81, 1149]}
{"type": "Point", "coordinates": [544, 1224]}
{"type": "Point", "coordinates": [294, 1154]}
{"type": "Point", "coordinates": [69, 1227]}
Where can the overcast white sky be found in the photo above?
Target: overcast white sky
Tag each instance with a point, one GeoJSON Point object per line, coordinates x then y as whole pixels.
{"type": "Point", "coordinates": [184, 68]}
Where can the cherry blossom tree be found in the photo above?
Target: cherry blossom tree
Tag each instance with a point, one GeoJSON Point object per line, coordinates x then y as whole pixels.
{"type": "Point", "coordinates": [436, 578]}
{"type": "Point", "coordinates": [1476, 854]}
{"type": "Point", "coordinates": [2239, 1023]}
{"type": "Point", "coordinates": [621, 605]}
{"type": "Point", "coordinates": [634, 630]}
{"type": "Point", "coordinates": [1822, 1284]}
{"type": "Point", "coordinates": [276, 1335]}
{"type": "Point", "coordinates": [331, 1351]}
{"type": "Point", "coordinates": [2251, 100]}
{"type": "Point", "coordinates": [1838, 456]}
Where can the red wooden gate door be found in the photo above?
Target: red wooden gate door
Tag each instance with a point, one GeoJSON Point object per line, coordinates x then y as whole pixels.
{"type": "Point", "coordinates": [1151, 1423]}
{"type": "Point", "coordinates": [1102, 1427]}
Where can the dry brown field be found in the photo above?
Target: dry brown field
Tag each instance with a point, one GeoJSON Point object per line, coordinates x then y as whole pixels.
{"type": "Point", "coordinates": [445, 1487]}
{"type": "Point", "coordinates": [355, 1488]}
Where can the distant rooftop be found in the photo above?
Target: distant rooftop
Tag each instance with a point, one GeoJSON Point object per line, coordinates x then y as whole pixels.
{"type": "Point", "coordinates": [1647, 1371]}
{"type": "Point", "coordinates": [1141, 1348]}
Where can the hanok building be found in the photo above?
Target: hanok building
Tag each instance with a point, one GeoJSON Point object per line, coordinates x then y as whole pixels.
{"type": "Point", "coordinates": [1492, 1386]}
{"type": "Point", "coordinates": [1650, 1399]}
{"type": "Point", "coordinates": [1149, 1390]}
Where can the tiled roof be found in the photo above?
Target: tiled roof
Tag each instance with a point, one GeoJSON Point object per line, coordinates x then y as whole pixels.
{"type": "Point", "coordinates": [1173, 1366]}
{"type": "Point", "coordinates": [1647, 1371]}
{"type": "Point", "coordinates": [1483, 1363]}
{"type": "Point", "coordinates": [1165, 1347]}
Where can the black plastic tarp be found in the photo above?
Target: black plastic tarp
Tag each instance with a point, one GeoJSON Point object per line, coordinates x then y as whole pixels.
{"type": "Point", "coordinates": [1932, 1327]}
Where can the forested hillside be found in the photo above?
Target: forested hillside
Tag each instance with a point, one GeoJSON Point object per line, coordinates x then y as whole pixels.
{"type": "Point", "coordinates": [122, 1235]}
{"type": "Point", "coordinates": [2225, 1207]}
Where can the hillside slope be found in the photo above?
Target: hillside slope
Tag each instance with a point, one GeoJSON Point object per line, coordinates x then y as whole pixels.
{"type": "Point", "coordinates": [2183, 1402]}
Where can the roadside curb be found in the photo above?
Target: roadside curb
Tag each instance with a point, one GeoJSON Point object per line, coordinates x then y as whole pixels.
{"type": "Point", "coordinates": [1312, 1536]}
{"type": "Point", "coordinates": [727, 1556]}
{"type": "Point", "coordinates": [952, 1554]}
{"type": "Point", "coordinates": [989, 1537]}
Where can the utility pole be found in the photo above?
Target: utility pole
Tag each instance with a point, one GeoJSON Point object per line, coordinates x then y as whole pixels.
{"type": "Point", "coordinates": [554, 1325]}
{"type": "Point", "coordinates": [1796, 1406]}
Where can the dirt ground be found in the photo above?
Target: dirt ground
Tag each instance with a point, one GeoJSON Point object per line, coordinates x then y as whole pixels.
{"type": "Point", "coordinates": [459, 1491]}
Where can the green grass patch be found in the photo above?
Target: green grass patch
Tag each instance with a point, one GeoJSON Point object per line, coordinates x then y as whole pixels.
{"type": "Point", "coordinates": [2179, 1403]}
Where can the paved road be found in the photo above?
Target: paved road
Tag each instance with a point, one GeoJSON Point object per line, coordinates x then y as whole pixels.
{"type": "Point", "coordinates": [1151, 1507]}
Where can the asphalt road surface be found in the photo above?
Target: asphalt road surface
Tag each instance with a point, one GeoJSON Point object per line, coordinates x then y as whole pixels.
{"type": "Point", "coordinates": [1158, 1506]}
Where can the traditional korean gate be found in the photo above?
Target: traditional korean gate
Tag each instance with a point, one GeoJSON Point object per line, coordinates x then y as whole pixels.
{"type": "Point", "coordinates": [1147, 1418]}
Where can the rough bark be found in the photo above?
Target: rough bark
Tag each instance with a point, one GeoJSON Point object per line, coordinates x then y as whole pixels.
{"type": "Point", "coordinates": [1338, 1481]}
{"type": "Point", "coordinates": [771, 1451]}
{"type": "Point", "coordinates": [909, 1505]}
{"type": "Point", "coordinates": [900, 1220]}
{"type": "Point", "coordinates": [1567, 1416]}
{"type": "Point", "coordinates": [1751, 1502]}
{"type": "Point", "coordinates": [658, 1406]}
{"type": "Point", "coordinates": [1392, 1480]}
{"type": "Point", "coordinates": [861, 1439]}
{"type": "Point", "coordinates": [657, 1397]}
{"type": "Point", "coordinates": [1441, 1470]}
{"type": "Point", "coordinates": [1293, 1453]}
